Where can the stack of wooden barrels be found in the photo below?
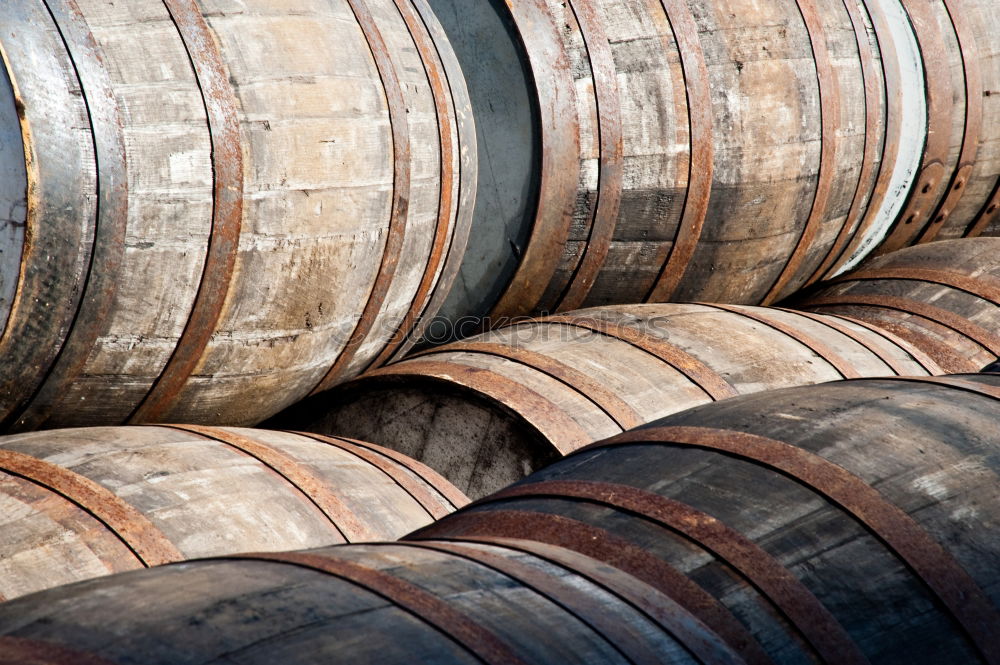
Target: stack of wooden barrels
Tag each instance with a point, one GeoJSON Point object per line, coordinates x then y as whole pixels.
{"type": "Point", "coordinates": [431, 248]}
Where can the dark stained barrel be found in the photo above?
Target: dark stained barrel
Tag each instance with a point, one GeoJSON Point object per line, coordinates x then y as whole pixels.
{"type": "Point", "coordinates": [487, 410]}
{"type": "Point", "coordinates": [850, 522]}
{"type": "Point", "coordinates": [391, 604]}
{"type": "Point", "coordinates": [85, 502]}
{"type": "Point", "coordinates": [943, 298]}
{"type": "Point", "coordinates": [727, 152]}
{"type": "Point", "coordinates": [208, 209]}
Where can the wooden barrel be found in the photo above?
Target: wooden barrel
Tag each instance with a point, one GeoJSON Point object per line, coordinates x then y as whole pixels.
{"type": "Point", "coordinates": [696, 150]}
{"type": "Point", "coordinates": [850, 522]}
{"type": "Point", "coordinates": [958, 190]}
{"type": "Point", "coordinates": [488, 410]}
{"type": "Point", "coordinates": [943, 298]}
{"type": "Point", "coordinates": [391, 604]}
{"type": "Point", "coordinates": [85, 502]}
{"type": "Point", "coordinates": [210, 209]}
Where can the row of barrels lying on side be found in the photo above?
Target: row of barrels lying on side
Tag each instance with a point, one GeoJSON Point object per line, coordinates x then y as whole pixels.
{"type": "Point", "coordinates": [845, 523]}
{"type": "Point", "coordinates": [85, 502]}
{"type": "Point", "coordinates": [213, 239]}
{"type": "Point", "coordinates": [486, 409]}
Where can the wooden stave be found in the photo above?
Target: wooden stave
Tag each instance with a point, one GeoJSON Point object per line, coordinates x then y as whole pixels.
{"type": "Point", "coordinates": [133, 347]}
{"type": "Point", "coordinates": [201, 492]}
{"type": "Point", "coordinates": [563, 384]}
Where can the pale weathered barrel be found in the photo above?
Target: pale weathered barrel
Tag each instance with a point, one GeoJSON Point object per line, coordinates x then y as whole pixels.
{"type": "Point", "coordinates": [489, 409]}
{"type": "Point", "coordinates": [653, 150]}
{"type": "Point", "coordinates": [943, 298]}
{"type": "Point", "coordinates": [958, 189]}
{"type": "Point", "coordinates": [85, 502]}
{"type": "Point", "coordinates": [388, 604]}
{"type": "Point", "coordinates": [850, 522]}
{"type": "Point", "coordinates": [208, 209]}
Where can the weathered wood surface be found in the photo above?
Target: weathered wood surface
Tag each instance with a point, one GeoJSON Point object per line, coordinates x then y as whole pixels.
{"type": "Point", "coordinates": [431, 602]}
{"type": "Point", "coordinates": [487, 410]}
{"type": "Point", "coordinates": [86, 502]}
{"type": "Point", "coordinates": [850, 522]}
{"type": "Point", "coordinates": [226, 204]}
{"type": "Point", "coordinates": [943, 298]}
{"type": "Point", "coordinates": [690, 149]}
{"type": "Point", "coordinates": [958, 190]}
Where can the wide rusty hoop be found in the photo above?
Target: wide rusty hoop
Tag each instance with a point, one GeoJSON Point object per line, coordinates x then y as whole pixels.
{"type": "Point", "coordinates": [102, 275]}
{"type": "Point", "coordinates": [714, 385]}
{"type": "Point", "coordinates": [221, 108]}
{"type": "Point", "coordinates": [973, 119]}
{"type": "Point", "coordinates": [609, 549]}
{"type": "Point", "coordinates": [918, 355]}
{"type": "Point", "coordinates": [833, 324]}
{"type": "Point", "coordinates": [607, 401]}
{"type": "Point", "coordinates": [958, 592]}
{"type": "Point", "coordinates": [829, 106]}
{"type": "Point", "coordinates": [824, 351]}
{"type": "Point", "coordinates": [149, 545]}
{"type": "Point", "coordinates": [400, 130]}
{"type": "Point", "coordinates": [444, 228]}
{"type": "Point", "coordinates": [982, 286]}
{"type": "Point", "coordinates": [612, 155]}
{"type": "Point", "coordinates": [940, 110]}
{"type": "Point", "coordinates": [407, 483]}
{"type": "Point", "coordinates": [570, 599]}
{"type": "Point", "coordinates": [467, 175]}
{"type": "Point", "coordinates": [775, 582]}
{"type": "Point", "coordinates": [959, 324]}
{"type": "Point", "coordinates": [427, 608]}
{"type": "Point", "coordinates": [550, 420]}
{"type": "Point", "coordinates": [560, 168]}
{"type": "Point", "coordinates": [697, 638]}
{"type": "Point", "coordinates": [701, 167]}
{"type": "Point", "coordinates": [419, 469]}
{"type": "Point", "coordinates": [298, 475]}
{"type": "Point", "coordinates": [864, 195]}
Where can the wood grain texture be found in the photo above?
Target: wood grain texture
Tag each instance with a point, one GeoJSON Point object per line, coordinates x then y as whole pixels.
{"type": "Point", "coordinates": [585, 375]}
{"type": "Point", "coordinates": [943, 298]}
{"type": "Point", "coordinates": [866, 492]}
{"type": "Point", "coordinates": [692, 150]}
{"type": "Point", "coordinates": [441, 602]}
{"type": "Point", "coordinates": [259, 186]}
{"type": "Point", "coordinates": [80, 503]}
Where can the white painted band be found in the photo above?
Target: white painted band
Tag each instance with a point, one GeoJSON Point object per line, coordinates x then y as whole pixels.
{"type": "Point", "coordinates": [912, 135]}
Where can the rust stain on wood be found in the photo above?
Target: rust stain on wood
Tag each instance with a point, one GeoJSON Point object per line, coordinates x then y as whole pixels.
{"type": "Point", "coordinates": [426, 607]}
{"type": "Point", "coordinates": [829, 93]}
{"type": "Point", "coordinates": [612, 154]}
{"type": "Point", "coordinates": [702, 165]}
{"type": "Point", "coordinates": [564, 433]}
{"type": "Point", "coordinates": [932, 563]}
{"type": "Point", "coordinates": [617, 409]}
{"type": "Point", "coordinates": [149, 545]}
{"type": "Point", "coordinates": [227, 213]}
{"type": "Point", "coordinates": [297, 474]}
{"type": "Point", "coordinates": [810, 617]}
